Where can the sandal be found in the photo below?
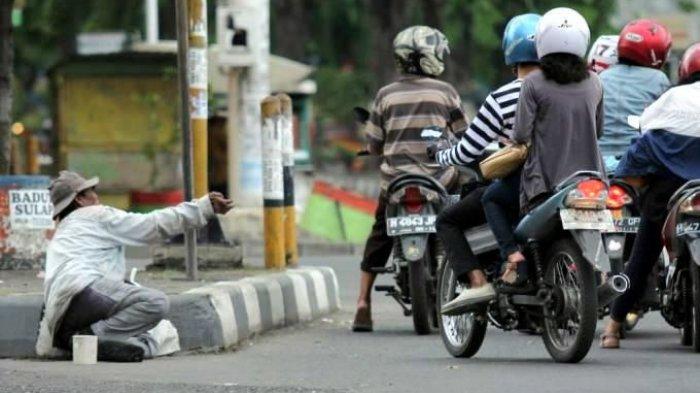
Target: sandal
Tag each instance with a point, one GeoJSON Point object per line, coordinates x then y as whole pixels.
{"type": "Point", "coordinates": [610, 341]}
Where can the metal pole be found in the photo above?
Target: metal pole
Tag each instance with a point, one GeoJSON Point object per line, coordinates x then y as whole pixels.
{"type": "Point", "coordinates": [190, 235]}
{"type": "Point", "coordinates": [151, 12]}
{"type": "Point", "coordinates": [290, 220]}
{"type": "Point", "coordinates": [273, 188]}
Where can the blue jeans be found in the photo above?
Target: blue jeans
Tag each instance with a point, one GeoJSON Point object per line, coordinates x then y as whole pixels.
{"type": "Point", "coordinates": [501, 203]}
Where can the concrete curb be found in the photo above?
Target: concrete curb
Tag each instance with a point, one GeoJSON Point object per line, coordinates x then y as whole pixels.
{"type": "Point", "coordinates": [213, 317]}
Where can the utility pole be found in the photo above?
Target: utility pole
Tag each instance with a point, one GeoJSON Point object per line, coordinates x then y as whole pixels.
{"type": "Point", "coordinates": [198, 81]}
{"type": "Point", "coordinates": [192, 77]}
{"type": "Point", "coordinates": [6, 58]}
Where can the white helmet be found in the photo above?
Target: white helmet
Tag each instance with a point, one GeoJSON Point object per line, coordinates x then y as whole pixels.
{"type": "Point", "coordinates": [562, 30]}
{"type": "Point", "coordinates": [421, 46]}
{"type": "Point", "coordinates": [603, 53]}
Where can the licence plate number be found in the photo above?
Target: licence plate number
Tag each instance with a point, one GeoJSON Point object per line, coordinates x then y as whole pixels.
{"type": "Point", "coordinates": [627, 224]}
{"type": "Point", "coordinates": [600, 220]}
{"type": "Point", "coordinates": [396, 226]}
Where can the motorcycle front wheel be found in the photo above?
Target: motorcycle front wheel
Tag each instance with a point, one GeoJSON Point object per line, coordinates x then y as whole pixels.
{"type": "Point", "coordinates": [570, 321]}
{"type": "Point", "coordinates": [461, 334]}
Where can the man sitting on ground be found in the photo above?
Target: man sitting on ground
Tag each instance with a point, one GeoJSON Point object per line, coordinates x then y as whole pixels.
{"type": "Point", "coordinates": [84, 287]}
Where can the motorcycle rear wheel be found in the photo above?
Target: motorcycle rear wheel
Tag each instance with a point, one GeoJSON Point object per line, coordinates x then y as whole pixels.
{"type": "Point", "coordinates": [573, 280]}
{"type": "Point", "coordinates": [461, 334]}
{"type": "Point", "coordinates": [422, 306]}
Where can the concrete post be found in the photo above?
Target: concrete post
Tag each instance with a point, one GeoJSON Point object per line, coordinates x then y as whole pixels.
{"type": "Point", "coordinates": [290, 225]}
{"type": "Point", "coordinates": [273, 187]}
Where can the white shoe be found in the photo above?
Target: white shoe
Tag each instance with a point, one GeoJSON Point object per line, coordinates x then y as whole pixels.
{"type": "Point", "coordinates": [468, 299]}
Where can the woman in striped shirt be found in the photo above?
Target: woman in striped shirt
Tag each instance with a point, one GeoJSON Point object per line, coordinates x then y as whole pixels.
{"type": "Point", "coordinates": [497, 203]}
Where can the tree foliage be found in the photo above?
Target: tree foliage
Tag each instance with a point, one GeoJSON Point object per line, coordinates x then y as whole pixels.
{"type": "Point", "coordinates": [354, 38]}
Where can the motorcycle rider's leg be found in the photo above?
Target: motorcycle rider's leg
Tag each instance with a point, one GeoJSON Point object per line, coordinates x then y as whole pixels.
{"type": "Point", "coordinates": [501, 206]}
{"type": "Point", "coordinates": [645, 252]}
{"type": "Point", "coordinates": [451, 224]}
{"type": "Point", "coordinates": [377, 251]}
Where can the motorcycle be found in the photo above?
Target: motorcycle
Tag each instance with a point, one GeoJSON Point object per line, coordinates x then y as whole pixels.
{"type": "Point", "coordinates": [562, 242]}
{"type": "Point", "coordinates": [414, 201]}
{"type": "Point", "coordinates": [618, 245]}
{"type": "Point", "coordinates": [680, 299]}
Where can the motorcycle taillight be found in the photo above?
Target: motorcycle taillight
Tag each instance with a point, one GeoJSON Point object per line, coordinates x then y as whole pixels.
{"type": "Point", "coordinates": [588, 194]}
{"type": "Point", "coordinates": [617, 197]}
{"type": "Point", "coordinates": [690, 205]}
{"type": "Point", "coordinates": [413, 200]}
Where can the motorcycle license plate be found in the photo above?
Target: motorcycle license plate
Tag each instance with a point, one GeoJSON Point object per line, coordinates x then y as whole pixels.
{"type": "Point", "coordinates": [627, 224]}
{"type": "Point", "coordinates": [396, 226]}
{"type": "Point", "coordinates": [599, 220]}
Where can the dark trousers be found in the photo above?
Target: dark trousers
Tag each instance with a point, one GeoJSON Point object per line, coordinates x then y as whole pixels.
{"type": "Point", "coordinates": [86, 308]}
{"type": "Point", "coordinates": [647, 244]}
{"type": "Point", "coordinates": [451, 224]}
{"type": "Point", "coordinates": [501, 203]}
{"type": "Point", "coordinates": [379, 245]}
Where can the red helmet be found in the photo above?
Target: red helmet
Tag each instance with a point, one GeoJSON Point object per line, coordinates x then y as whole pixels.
{"type": "Point", "coordinates": [690, 63]}
{"type": "Point", "coordinates": [644, 42]}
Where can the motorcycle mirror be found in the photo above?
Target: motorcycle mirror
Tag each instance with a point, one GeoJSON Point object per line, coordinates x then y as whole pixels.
{"type": "Point", "coordinates": [634, 121]}
{"type": "Point", "coordinates": [361, 114]}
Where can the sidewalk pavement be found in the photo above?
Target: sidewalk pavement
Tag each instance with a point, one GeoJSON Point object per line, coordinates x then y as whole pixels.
{"type": "Point", "coordinates": [213, 317]}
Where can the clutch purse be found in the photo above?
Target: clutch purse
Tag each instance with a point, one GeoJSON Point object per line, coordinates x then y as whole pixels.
{"type": "Point", "coordinates": [503, 162]}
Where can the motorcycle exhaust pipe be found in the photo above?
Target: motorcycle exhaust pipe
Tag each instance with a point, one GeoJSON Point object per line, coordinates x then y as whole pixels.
{"type": "Point", "coordinates": [612, 288]}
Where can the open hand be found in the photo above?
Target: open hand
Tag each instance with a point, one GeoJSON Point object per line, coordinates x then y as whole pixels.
{"type": "Point", "coordinates": [220, 203]}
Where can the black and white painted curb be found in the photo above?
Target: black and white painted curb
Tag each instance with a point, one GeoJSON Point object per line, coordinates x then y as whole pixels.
{"type": "Point", "coordinates": [213, 317]}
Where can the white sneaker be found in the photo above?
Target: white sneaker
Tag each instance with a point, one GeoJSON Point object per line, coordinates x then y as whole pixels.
{"type": "Point", "coordinates": [468, 299]}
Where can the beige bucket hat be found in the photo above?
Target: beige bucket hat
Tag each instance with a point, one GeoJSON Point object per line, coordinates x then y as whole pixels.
{"type": "Point", "coordinates": [66, 187]}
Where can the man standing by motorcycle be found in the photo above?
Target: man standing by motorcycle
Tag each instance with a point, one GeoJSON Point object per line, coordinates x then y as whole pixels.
{"type": "Point", "coordinates": [401, 112]}
{"type": "Point", "coordinates": [661, 160]}
{"type": "Point", "coordinates": [632, 84]}
{"type": "Point", "coordinates": [494, 121]}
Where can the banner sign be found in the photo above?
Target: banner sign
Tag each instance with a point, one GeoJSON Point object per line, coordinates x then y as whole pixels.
{"type": "Point", "coordinates": [30, 209]}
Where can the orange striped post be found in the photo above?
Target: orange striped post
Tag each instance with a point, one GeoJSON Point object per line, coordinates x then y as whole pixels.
{"type": "Point", "coordinates": [273, 187]}
{"type": "Point", "coordinates": [290, 214]}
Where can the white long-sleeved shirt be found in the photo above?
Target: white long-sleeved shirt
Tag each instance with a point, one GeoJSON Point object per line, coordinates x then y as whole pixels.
{"type": "Point", "coordinates": [494, 120]}
{"type": "Point", "coordinates": [89, 244]}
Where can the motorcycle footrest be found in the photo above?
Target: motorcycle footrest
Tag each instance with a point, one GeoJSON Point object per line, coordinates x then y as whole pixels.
{"type": "Point", "coordinates": [384, 288]}
{"type": "Point", "coordinates": [382, 270]}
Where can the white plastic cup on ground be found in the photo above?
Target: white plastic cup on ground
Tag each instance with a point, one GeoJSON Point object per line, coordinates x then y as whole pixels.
{"type": "Point", "coordinates": [84, 349]}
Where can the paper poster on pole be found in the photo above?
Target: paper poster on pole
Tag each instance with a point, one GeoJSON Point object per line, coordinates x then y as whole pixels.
{"type": "Point", "coordinates": [287, 141]}
{"type": "Point", "coordinates": [198, 105]}
{"type": "Point", "coordinates": [197, 68]}
{"type": "Point", "coordinates": [30, 209]}
{"type": "Point", "coordinates": [273, 186]}
{"type": "Point", "coordinates": [199, 19]}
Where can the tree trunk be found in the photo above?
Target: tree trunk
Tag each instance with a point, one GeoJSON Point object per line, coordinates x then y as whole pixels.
{"type": "Point", "coordinates": [5, 83]}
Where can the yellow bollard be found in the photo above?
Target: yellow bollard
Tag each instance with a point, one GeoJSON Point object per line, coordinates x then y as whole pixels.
{"type": "Point", "coordinates": [290, 224]}
{"type": "Point", "coordinates": [273, 189]}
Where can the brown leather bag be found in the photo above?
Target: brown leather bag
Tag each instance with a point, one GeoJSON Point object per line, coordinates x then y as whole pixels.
{"type": "Point", "coordinates": [503, 162]}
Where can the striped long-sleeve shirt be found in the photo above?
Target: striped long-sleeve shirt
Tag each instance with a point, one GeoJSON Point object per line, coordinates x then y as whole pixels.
{"type": "Point", "coordinates": [401, 113]}
{"type": "Point", "coordinates": [494, 120]}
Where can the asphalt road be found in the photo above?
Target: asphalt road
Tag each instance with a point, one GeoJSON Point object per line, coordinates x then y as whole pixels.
{"type": "Point", "coordinates": [325, 356]}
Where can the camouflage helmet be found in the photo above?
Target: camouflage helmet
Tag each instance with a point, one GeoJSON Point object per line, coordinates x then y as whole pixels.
{"type": "Point", "coordinates": [421, 50]}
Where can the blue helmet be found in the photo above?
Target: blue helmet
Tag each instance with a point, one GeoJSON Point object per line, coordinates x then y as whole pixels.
{"type": "Point", "coordinates": [519, 39]}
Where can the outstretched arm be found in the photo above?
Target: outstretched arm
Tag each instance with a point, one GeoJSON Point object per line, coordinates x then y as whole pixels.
{"type": "Point", "coordinates": [136, 229]}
